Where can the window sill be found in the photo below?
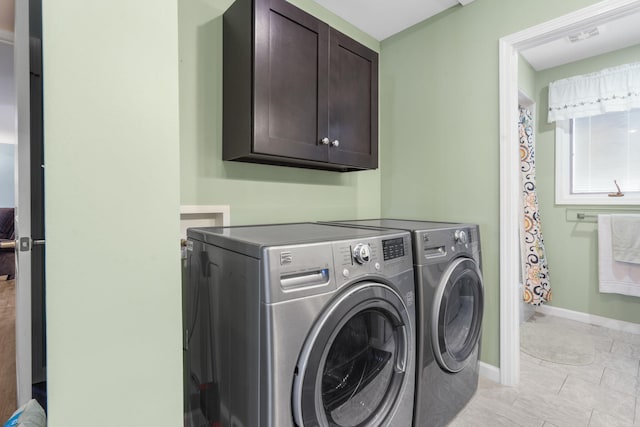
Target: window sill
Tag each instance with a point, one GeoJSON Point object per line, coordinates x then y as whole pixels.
{"type": "Point", "coordinates": [589, 199]}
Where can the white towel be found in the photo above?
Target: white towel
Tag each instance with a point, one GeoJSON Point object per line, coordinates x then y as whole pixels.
{"type": "Point", "coordinates": [615, 277]}
{"type": "Point", "coordinates": [625, 238]}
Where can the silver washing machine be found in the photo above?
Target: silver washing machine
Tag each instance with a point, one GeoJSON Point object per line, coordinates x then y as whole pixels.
{"type": "Point", "coordinates": [299, 325]}
{"type": "Point", "coordinates": [450, 295]}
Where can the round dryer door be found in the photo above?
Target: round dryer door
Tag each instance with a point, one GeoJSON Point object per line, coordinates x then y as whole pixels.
{"type": "Point", "coordinates": [457, 314]}
{"type": "Point", "coordinates": [352, 367]}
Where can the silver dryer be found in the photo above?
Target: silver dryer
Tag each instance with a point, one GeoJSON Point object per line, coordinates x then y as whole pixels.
{"type": "Point", "coordinates": [450, 295]}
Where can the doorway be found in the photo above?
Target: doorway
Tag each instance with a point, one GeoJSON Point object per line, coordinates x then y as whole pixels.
{"type": "Point", "coordinates": [509, 48]}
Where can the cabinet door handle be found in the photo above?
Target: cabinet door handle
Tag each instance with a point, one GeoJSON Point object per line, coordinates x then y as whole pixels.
{"type": "Point", "coordinates": [335, 143]}
{"type": "Point", "coordinates": [325, 141]}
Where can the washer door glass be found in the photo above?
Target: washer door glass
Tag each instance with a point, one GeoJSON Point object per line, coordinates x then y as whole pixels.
{"type": "Point", "coordinates": [353, 366]}
{"type": "Point", "coordinates": [457, 314]}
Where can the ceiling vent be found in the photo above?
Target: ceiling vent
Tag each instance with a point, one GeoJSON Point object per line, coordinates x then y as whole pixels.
{"type": "Point", "coordinates": [583, 35]}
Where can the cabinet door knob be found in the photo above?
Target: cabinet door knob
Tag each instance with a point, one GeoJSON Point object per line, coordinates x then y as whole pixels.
{"type": "Point", "coordinates": [325, 141]}
{"type": "Point", "coordinates": [335, 143]}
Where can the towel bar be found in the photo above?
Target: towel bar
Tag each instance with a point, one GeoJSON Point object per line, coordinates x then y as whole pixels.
{"type": "Point", "coordinates": [591, 215]}
{"type": "Point", "coordinates": [581, 215]}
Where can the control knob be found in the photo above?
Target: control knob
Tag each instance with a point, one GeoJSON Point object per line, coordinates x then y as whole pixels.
{"type": "Point", "coordinates": [460, 236]}
{"type": "Point", "coordinates": [362, 253]}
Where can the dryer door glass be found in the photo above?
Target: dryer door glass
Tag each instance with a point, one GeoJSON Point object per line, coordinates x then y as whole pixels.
{"type": "Point", "coordinates": [458, 314]}
{"type": "Point", "coordinates": [353, 366]}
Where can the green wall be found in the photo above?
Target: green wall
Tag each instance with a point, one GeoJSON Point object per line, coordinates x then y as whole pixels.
{"type": "Point", "coordinates": [439, 124]}
{"type": "Point", "coordinates": [526, 78]}
{"type": "Point", "coordinates": [572, 247]}
{"type": "Point", "coordinates": [256, 193]}
{"type": "Point", "coordinates": [112, 179]}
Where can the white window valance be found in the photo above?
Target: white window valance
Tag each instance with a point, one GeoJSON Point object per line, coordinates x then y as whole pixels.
{"type": "Point", "coordinates": [609, 90]}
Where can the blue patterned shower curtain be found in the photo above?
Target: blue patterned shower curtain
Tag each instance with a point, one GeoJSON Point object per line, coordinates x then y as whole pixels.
{"type": "Point", "coordinates": [537, 289]}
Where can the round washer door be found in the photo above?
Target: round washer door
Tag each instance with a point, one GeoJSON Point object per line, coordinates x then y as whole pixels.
{"type": "Point", "coordinates": [352, 367]}
{"type": "Point", "coordinates": [457, 314]}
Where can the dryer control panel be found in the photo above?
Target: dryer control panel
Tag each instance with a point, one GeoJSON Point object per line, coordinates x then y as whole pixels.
{"type": "Point", "coordinates": [437, 246]}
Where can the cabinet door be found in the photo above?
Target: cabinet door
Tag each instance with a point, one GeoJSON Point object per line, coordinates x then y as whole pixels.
{"type": "Point", "coordinates": [291, 61]}
{"type": "Point", "coordinates": [353, 102]}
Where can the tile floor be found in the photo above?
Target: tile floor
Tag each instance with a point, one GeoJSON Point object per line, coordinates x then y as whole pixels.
{"type": "Point", "coordinates": [604, 393]}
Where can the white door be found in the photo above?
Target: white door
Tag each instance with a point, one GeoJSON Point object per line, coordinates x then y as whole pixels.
{"type": "Point", "coordinates": [30, 338]}
{"type": "Point", "coordinates": [7, 203]}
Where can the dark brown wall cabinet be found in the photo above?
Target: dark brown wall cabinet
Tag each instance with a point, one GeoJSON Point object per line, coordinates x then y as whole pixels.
{"type": "Point", "coordinates": [296, 91]}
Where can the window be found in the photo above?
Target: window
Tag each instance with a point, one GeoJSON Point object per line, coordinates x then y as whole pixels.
{"type": "Point", "coordinates": [592, 152]}
{"type": "Point", "coordinates": [597, 119]}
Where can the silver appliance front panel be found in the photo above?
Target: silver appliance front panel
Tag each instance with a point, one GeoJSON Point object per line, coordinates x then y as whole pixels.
{"type": "Point", "coordinates": [288, 324]}
{"type": "Point", "coordinates": [290, 312]}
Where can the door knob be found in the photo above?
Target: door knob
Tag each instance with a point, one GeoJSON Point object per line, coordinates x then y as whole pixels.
{"type": "Point", "coordinates": [335, 143]}
{"type": "Point", "coordinates": [8, 244]}
{"type": "Point", "coordinates": [325, 141]}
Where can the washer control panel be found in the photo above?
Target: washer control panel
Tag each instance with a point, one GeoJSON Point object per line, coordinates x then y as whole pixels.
{"type": "Point", "coordinates": [373, 256]}
{"type": "Point", "coordinates": [295, 271]}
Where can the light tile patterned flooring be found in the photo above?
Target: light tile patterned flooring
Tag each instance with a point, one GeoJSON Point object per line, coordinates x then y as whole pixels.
{"type": "Point", "coordinates": [604, 393]}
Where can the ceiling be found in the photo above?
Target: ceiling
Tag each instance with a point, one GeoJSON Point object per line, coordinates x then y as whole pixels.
{"type": "Point", "coordinates": [612, 35]}
{"type": "Point", "coordinates": [384, 18]}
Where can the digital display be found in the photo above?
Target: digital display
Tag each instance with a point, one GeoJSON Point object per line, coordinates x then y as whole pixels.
{"type": "Point", "coordinates": [393, 248]}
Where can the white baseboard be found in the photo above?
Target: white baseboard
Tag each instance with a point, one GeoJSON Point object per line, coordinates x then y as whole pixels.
{"type": "Point", "coordinates": [490, 372]}
{"type": "Point", "coordinates": [618, 325]}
